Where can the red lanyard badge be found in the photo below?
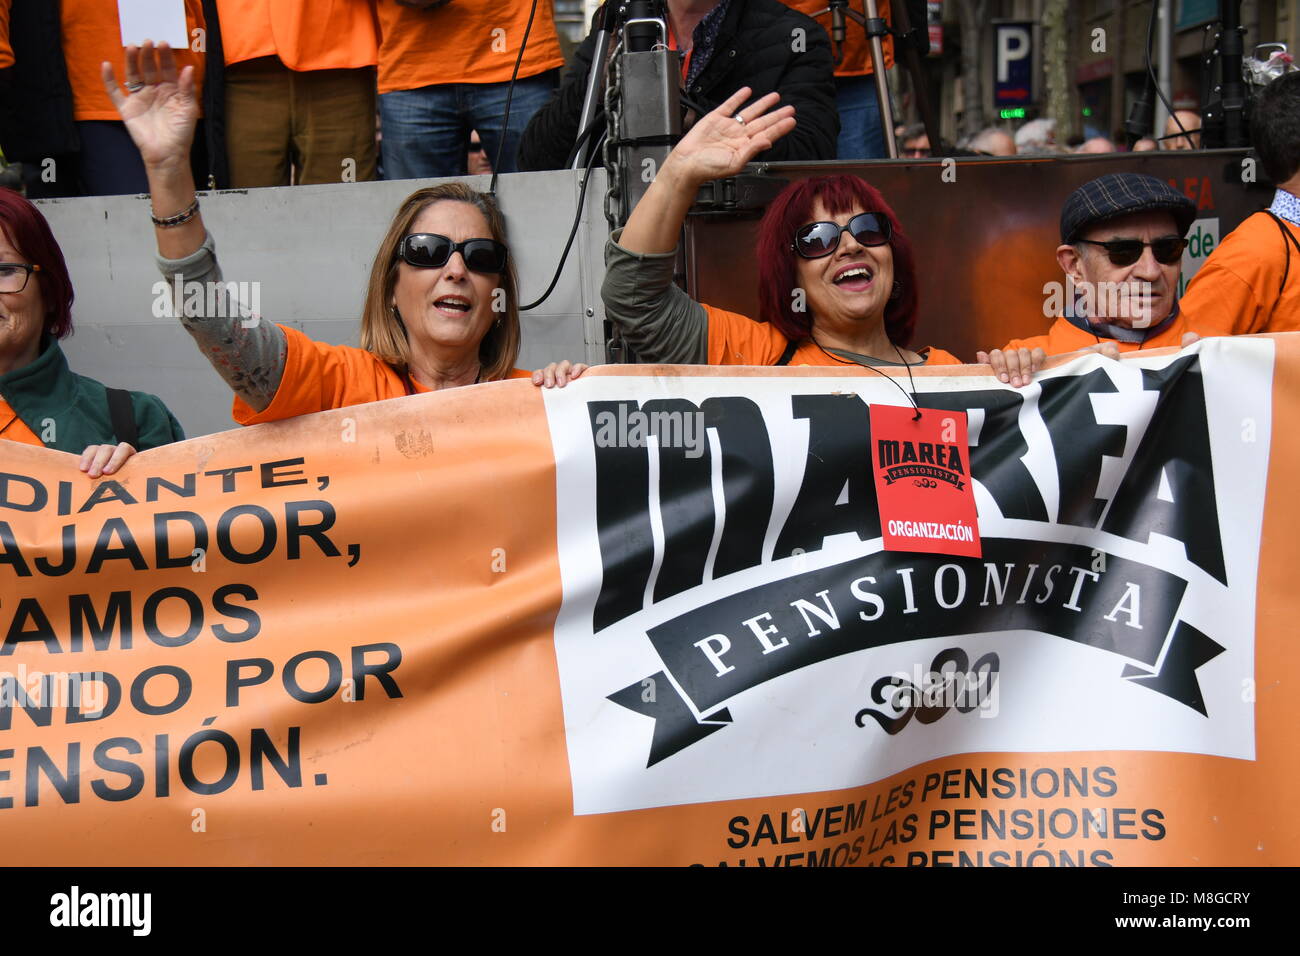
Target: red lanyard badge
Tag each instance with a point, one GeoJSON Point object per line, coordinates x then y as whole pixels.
{"type": "Point", "coordinates": [922, 472]}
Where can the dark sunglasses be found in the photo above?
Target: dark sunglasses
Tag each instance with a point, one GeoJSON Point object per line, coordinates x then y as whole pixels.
{"type": "Point", "coordinates": [818, 239]}
{"type": "Point", "coordinates": [427, 250]}
{"type": "Point", "coordinates": [1124, 252]}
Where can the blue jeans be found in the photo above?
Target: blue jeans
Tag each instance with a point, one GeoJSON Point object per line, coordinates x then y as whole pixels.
{"type": "Point", "coordinates": [110, 163]}
{"type": "Point", "coordinates": [860, 134]}
{"type": "Point", "coordinates": [426, 131]}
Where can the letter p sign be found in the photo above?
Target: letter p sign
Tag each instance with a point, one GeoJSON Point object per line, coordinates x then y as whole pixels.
{"type": "Point", "coordinates": [1013, 46]}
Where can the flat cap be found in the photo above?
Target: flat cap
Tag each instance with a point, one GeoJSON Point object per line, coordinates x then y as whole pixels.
{"type": "Point", "coordinates": [1120, 194]}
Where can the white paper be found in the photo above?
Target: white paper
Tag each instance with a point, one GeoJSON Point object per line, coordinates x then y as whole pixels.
{"type": "Point", "coordinates": [156, 20]}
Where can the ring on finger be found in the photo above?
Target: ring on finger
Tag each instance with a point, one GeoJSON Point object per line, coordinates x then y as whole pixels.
{"type": "Point", "coordinates": [134, 86]}
{"type": "Point", "coordinates": [739, 119]}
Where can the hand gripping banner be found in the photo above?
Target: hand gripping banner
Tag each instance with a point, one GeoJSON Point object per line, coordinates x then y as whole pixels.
{"type": "Point", "coordinates": [648, 619]}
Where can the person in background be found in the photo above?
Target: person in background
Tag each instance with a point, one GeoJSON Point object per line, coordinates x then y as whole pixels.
{"type": "Point", "coordinates": [861, 135]}
{"type": "Point", "coordinates": [993, 142]}
{"type": "Point", "coordinates": [1191, 125]}
{"type": "Point", "coordinates": [477, 159]}
{"type": "Point", "coordinates": [1251, 282]}
{"type": "Point", "coordinates": [1122, 241]}
{"type": "Point", "coordinates": [915, 142]}
{"type": "Point", "coordinates": [837, 277]}
{"type": "Point", "coordinates": [441, 309]}
{"type": "Point", "coordinates": [723, 45]}
{"type": "Point", "coordinates": [1098, 144]}
{"type": "Point", "coordinates": [54, 115]}
{"type": "Point", "coordinates": [42, 401]}
{"type": "Point", "coordinates": [1145, 145]}
{"type": "Point", "coordinates": [299, 103]}
{"type": "Point", "coordinates": [445, 68]}
{"type": "Point", "coordinates": [1037, 137]}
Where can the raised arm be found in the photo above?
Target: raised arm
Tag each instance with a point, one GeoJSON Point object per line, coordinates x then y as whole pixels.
{"type": "Point", "coordinates": [660, 321]}
{"type": "Point", "coordinates": [160, 113]}
{"type": "Point", "coordinates": [718, 145]}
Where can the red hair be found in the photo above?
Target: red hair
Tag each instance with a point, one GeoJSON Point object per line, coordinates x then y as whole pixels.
{"type": "Point", "coordinates": [30, 235]}
{"type": "Point", "coordinates": [777, 275]}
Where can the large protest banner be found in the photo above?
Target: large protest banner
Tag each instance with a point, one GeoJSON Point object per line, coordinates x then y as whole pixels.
{"type": "Point", "coordinates": [648, 619]}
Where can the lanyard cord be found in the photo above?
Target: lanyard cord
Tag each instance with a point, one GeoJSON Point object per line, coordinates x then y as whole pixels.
{"type": "Point", "coordinates": [911, 397]}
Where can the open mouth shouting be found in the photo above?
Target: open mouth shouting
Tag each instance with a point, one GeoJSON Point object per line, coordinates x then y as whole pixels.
{"type": "Point", "coordinates": [855, 277]}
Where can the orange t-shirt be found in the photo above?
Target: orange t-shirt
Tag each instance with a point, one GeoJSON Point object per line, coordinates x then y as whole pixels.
{"type": "Point", "coordinates": [736, 339]}
{"type": "Point", "coordinates": [1236, 290]}
{"type": "Point", "coordinates": [315, 35]}
{"type": "Point", "coordinates": [14, 428]}
{"type": "Point", "coordinates": [857, 51]}
{"type": "Point", "coordinates": [467, 41]}
{"type": "Point", "coordinates": [318, 376]}
{"type": "Point", "coordinates": [1064, 337]}
{"type": "Point", "coordinates": [93, 34]}
{"type": "Point", "coordinates": [6, 51]}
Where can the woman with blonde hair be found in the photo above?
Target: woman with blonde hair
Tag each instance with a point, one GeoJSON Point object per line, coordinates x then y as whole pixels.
{"type": "Point", "coordinates": [441, 309]}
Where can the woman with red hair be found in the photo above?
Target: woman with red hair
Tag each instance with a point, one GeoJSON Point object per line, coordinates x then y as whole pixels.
{"type": "Point", "coordinates": [42, 402]}
{"type": "Point", "coordinates": [837, 278]}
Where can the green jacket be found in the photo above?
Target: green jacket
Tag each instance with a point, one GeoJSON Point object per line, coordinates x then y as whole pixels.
{"type": "Point", "coordinates": [69, 411]}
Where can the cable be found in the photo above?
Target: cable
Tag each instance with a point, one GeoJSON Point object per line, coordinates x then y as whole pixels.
{"type": "Point", "coordinates": [510, 92]}
{"type": "Point", "coordinates": [596, 122]}
{"type": "Point", "coordinates": [577, 218]}
{"type": "Point", "coordinates": [911, 397]}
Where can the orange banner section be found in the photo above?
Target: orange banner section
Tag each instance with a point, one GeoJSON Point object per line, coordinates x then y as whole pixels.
{"type": "Point", "coordinates": [363, 636]}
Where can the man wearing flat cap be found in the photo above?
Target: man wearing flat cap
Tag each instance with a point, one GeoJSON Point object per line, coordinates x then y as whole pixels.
{"type": "Point", "coordinates": [1122, 241]}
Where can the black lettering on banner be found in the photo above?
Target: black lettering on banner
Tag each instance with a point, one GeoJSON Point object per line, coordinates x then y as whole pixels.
{"type": "Point", "coordinates": [685, 494]}
{"type": "Point", "coordinates": [104, 551]}
{"type": "Point", "coordinates": [133, 774]}
{"type": "Point", "coordinates": [839, 457]}
{"type": "Point", "coordinates": [685, 501]}
{"type": "Point", "coordinates": [84, 619]}
{"type": "Point", "coordinates": [10, 553]}
{"type": "Point", "coordinates": [12, 497]}
{"type": "Point", "coordinates": [73, 714]}
{"type": "Point", "coordinates": [265, 521]}
{"type": "Point", "coordinates": [1177, 447]}
{"type": "Point", "coordinates": [29, 609]}
{"type": "Point", "coordinates": [15, 696]}
{"type": "Point", "coordinates": [193, 606]}
{"type": "Point", "coordinates": [163, 558]}
{"type": "Point", "coordinates": [295, 528]}
{"type": "Point", "coordinates": [997, 450]}
{"type": "Point", "coordinates": [221, 604]}
{"type": "Point", "coordinates": [184, 687]}
{"type": "Point", "coordinates": [623, 520]}
{"type": "Point", "coordinates": [107, 490]}
{"type": "Point", "coordinates": [68, 545]}
{"type": "Point", "coordinates": [1079, 443]}
{"type": "Point", "coordinates": [66, 785]}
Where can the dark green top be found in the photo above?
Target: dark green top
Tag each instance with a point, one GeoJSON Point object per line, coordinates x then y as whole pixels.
{"type": "Point", "coordinates": [69, 411]}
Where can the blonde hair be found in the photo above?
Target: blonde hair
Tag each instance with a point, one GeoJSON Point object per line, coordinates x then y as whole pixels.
{"type": "Point", "coordinates": [382, 332]}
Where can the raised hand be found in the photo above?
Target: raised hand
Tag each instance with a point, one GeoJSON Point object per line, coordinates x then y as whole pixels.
{"type": "Point", "coordinates": [160, 108]}
{"type": "Point", "coordinates": [722, 142]}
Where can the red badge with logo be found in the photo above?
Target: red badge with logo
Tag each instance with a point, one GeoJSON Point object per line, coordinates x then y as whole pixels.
{"type": "Point", "coordinates": [922, 472]}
